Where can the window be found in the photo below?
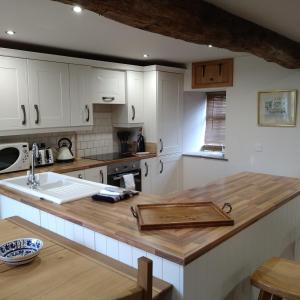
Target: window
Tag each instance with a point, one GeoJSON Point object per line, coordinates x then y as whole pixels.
{"type": "Point", "coordinates": [215, 121]}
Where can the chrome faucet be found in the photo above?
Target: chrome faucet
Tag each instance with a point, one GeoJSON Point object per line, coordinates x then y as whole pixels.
{"type": "Point", "coordinates": [32, 178]}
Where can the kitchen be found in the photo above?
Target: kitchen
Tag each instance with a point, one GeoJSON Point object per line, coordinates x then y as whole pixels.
{"type": "Point", "coordinates": [92, 125]}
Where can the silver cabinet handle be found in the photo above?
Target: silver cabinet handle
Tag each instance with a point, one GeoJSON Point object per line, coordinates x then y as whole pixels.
{"type": "Point", "coordinates": [108, 99]}
{"type": "Point", "coordinates": [101, 176]}
{"type": "Point", "coordinates": [24, 114]}
{"type": "Point", "coordinates": [147, 169]}
{"type": "Point", "coordinates": [161, 146]}
{"type": "Point", "coordinates": [133, 112]}
{"type": "Point", "coordinates": [80, 176]}
{"type": "Point", "coordinates": [161, 166]}
{"type": "Point", "coordinates": [37, 120]}
{"type": "Point", "coordinates": [88, 113]}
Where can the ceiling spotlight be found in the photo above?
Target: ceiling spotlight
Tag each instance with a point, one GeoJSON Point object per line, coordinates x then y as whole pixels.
{"type": "Point", "coordinates": [146, 55]}
{"type": "Point", "coordinates": [210, 46]}
{"type": "Point", "coordinates": [10, 32]}
{"type": "Point", "coordinates": [77, 9]}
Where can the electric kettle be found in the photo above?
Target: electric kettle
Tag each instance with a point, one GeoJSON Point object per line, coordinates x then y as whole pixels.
{"type": "Point", "coordinates": [64, 151]}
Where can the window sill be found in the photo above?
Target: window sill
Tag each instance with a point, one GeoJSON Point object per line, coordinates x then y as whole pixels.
{"type": "Point", "coordinates": [208, 155]}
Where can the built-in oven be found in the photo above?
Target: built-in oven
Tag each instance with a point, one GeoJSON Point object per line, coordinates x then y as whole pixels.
{"type": "Point", "coordinates": [14, 157]}
{"type": "Point", "coordinates": [115, 173]}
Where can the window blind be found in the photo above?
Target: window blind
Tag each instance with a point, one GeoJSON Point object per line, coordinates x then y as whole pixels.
{"type": "Point", "coordinates": [215, 118]}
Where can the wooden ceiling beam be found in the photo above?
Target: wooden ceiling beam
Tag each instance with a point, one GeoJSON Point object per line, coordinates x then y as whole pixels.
{"type": "Point", "coordinates": [198, 22]}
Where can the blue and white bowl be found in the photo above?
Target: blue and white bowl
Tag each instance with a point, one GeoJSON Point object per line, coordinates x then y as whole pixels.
{"type": "Point", "coordinates": [20, 251]}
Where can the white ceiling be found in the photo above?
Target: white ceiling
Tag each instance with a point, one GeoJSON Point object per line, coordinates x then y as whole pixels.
{"type": "Point", "coordinates": [54, 24]}
{"type": "Point", "coordinates": [281, 16]}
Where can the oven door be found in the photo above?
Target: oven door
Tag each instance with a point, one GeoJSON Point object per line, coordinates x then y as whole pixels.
{"type": "Point", "coordinates": [117, 179]}
{"type": "Point", "coordinates": [10, 158]}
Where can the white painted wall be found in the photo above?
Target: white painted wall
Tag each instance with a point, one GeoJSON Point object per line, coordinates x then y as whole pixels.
{"type": "Point", "coordinates": [280, 153]}
{"type": "Point", "coordinates": [194, 116]}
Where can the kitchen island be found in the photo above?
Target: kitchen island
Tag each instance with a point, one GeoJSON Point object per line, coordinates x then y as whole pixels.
{"type": "Point", "coordinates": [208, 264]}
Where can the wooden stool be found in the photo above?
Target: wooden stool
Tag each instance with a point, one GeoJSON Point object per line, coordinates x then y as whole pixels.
{"type": "Point", "coordinates": [278, 279]}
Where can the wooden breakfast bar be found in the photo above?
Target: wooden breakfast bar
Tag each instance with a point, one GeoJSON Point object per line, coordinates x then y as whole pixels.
{"type": "Point", "coordinates": [207, 263]}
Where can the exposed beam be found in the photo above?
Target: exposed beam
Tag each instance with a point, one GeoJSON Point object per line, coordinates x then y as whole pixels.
{"type": "Point", "coordinates": [199, 22]}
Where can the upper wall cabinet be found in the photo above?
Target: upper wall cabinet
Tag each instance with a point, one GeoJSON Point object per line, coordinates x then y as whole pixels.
{"type": "Point", "coordinates": [108, 87]}
{"type": "Point", "coordinates": [80, 90]}
{"type": "Point", "coordinates": [217, 73]}
{"type": "Point", "coordinates": [13, 94]}
{"type": "Point", "coordinates": [49, 97]}
{"type": "Point", "coordinates": [131, 114]}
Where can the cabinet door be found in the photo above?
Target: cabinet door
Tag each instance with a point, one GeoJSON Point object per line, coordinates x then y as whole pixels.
{"type": "Point", "coordinates": [77, 174]}
{"type": "Point", "coordinates": [108, 87]}
{"type": "Point", "coordinates": [49, 97]}
{"type": "Point", "coordinates": [13, 94]}
{"type": "Point", "coordinates": [169, 111]}
{"type": "Point", "coordinates": [96, 174]}
{"type": "Point", "coordinates": [167, 178]}
{"type": "Point", "coordinates": [147, 175]}
{"type": "Point", "coordinates": [81, 104]}
{"type": "Point", "coordinates": [135, 90]}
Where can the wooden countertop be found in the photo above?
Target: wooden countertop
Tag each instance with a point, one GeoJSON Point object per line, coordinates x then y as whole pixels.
{"type": "Point", "coordinates": [66, 270]}
{"type": "Point", "coordinates": [252, 197]}
{"type": "Point", "coordinates": [78, 164]}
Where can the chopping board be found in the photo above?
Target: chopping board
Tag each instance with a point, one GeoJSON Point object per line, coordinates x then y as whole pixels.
{"type": "Point", "coordinates": [181, 215]}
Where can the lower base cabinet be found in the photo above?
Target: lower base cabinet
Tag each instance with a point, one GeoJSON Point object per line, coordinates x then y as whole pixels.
{"type": "Point", "coordinates": [98, 174]}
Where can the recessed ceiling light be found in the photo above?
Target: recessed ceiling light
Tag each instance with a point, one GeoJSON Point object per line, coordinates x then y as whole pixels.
{"type": "Point", "coordinates": [77, 9]}
{"type": "Point", "coordinates": [210, 46]}
{"type": "Point", "coordinates": [146, 55]}
{"type": "Point", "coordinates": [10, 32]}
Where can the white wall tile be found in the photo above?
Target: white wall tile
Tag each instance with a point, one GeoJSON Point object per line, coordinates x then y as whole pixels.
{"type": "Point", "coordinates": [89, 238]}
{"type": "Point", "coordinates": [125, 253]}
{"type": "Point", "coordinates": [112, 248]}
{"type": "Point", "coordinates": [157, 265]}
{"type": "Point", "coordinates": [100, 243]}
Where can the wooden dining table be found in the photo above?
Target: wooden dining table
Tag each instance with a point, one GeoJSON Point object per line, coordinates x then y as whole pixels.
{"type": "Point", "coordinates": [66, 270]}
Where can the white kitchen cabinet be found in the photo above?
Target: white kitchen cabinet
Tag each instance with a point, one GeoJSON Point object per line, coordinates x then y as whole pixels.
{"type": "Point", "coordinates": [163, 92]}
{"type": "Point", "coordinates": [108, 86]}
{"type": "Point", "coordinates": [98, 174]}
{"type": "Point", "coordinates": [167, 175]}
{"type": "Point", "coordinates": [80, 95]}
{"type": "Point", "coordinates": [77, 174]}
{"type": "Point", "coordinates": [14, 112]}
{"type": "Point", "coordinates": [49, 95]}
{"type": "Point", "coordinates": [147, 170]}
{"type": "Point", "coordinates": [131, 114]}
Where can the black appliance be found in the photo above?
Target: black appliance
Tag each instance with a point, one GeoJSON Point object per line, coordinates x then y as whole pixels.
{"type": "Point", "coordinates": [116, 171]}
{"type": "Point", "coordinates": [123, 137]}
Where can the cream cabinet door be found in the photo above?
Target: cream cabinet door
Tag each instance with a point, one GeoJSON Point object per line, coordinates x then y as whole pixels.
{"type": "Point", "coordinates": [135, 102]}
{"type": "Point", "coordinates": [49, 95]}
{"type": "Point", "coordinates": [147, 170]}
{"type": "Point", "coordinates": [108, 86]}
{"type": "Point", "coordinates": [80, 95]}
{"type": "Point", "coordinates": [169, 112]}
{"type": "Point", "coordinates": [77, 174]}
{"type": "Point", "coordinates": [98, 174]}
{"type": "Point", "coordinates": [167, 175]}
{"type": "Point", "coordinates": [14, 112]}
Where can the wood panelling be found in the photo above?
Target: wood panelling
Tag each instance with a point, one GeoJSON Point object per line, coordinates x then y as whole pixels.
{"type": "Point", "coordinates": [66, 270]}
{"type": "Point", "coordinates": [251, 195]}
{"type": "Point", "coordinates": [208, 74]}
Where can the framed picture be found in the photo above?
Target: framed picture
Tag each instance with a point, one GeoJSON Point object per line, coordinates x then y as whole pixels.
{"type": "Point", "coordinates": [277, 108]}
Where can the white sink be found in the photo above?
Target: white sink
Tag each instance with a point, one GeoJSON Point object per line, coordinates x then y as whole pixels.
{"type": "Point", "coordinates": [55, 187]}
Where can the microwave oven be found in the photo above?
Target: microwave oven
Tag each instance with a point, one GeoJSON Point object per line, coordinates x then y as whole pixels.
{"type": "Point", "coordinates": [14, 157]}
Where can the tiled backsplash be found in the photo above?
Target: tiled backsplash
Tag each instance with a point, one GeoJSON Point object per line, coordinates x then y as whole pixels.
{"type": "Point", "coordinates": [97, 140]}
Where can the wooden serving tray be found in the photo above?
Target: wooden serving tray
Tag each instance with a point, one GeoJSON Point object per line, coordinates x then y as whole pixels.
{"type": "Point", "coordinates": [181, 215]}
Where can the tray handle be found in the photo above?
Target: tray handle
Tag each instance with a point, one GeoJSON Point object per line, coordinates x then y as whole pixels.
{"type": "Point", "coordinates": [133, 212]}
{"type": "Point", "coordinates": [227, 206]}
